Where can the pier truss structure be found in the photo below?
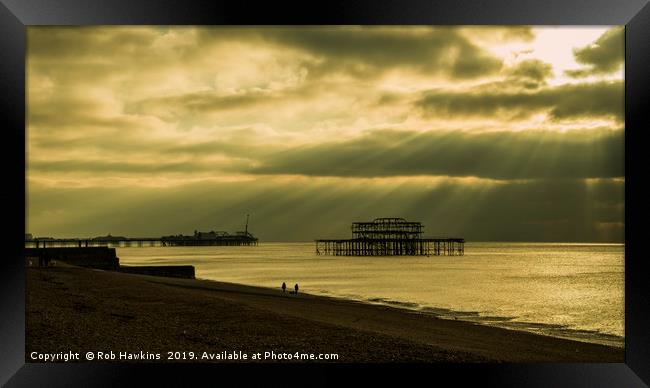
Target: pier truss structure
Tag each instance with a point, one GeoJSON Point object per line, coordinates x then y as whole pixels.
{"type": "Point", "coordinates": [390, 237]}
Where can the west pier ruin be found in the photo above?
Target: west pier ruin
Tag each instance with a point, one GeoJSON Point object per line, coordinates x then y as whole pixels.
{"type": "Point", "coordinates": [390, 237]}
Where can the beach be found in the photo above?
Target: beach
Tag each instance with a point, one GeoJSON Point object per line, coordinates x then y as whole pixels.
{"type": "Point", "coordinates": [72, 309]}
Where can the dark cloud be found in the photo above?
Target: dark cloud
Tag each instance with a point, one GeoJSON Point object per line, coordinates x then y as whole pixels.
{"type": "Point", "coordinates": [605, 55]}
{"type": "Point", "coordinates": [366, 51]}
{"type": "Point", "coordinates": [530, 73]}
{"type": "Point", "coordinates": [504, 155]}
{"type": "Point", "coordinates": [497, 155]}
{"type": "Point", "coordinates": [499, 33]}
{"type": "Point", "coordinates": [303, 210]}
{"type": "Point", "coordinates": [292, 109]}
{"type": "Point", "coordinates": [150, 169]}
{"type": "Point", "coordinates": [437, 51]}
{"type": "Point", "coordinates": [197, 105]}
{"type": "Point", "coordinates": [87, 43]}
{"type": "Point", "coordinates": [591, 100]}
{"type": "Point", "coordinates": [192, 107]}
{"type": "Point", "coordinates": [523, 77]}
{"type": "Point", "coordinates": [361, 51]}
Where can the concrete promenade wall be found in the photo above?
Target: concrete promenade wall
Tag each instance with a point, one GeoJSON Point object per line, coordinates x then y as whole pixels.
{"type": "Point", "coordinates": [93, 257]}
{"type": "Point", "coordinates": [170, 271]}
{"type": "Point", "coordinates": [102, 258]}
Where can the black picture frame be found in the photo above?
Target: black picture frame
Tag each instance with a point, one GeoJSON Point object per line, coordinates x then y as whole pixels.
{"type": "Point", "coordinates": [16, 15]}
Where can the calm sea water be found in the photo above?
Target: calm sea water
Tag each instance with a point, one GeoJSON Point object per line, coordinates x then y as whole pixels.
{"type": "Point", "coordinates": [563, 290]}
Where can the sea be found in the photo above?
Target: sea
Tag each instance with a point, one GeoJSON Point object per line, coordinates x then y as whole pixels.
{"type": "Point", "coordinates": [564, 290]}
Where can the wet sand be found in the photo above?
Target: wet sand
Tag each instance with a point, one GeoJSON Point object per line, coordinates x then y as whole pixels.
{"type": "Point", "coordinates": [80, 310]}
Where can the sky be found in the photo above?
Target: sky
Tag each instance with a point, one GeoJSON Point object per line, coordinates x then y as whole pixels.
{"type": "Point", "coordinates": [491, 133]}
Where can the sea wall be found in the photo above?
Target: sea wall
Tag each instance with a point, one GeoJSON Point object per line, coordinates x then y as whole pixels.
{"type": "Point", "coordinates": [170, 271]}
{"type": "Point", "coordinates": [101, 258]}
{"type": "Point", "coordinates": [92, 257]}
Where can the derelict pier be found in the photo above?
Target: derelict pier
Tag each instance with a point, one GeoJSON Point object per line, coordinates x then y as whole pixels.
{"type": "Point", "coordinates": [390, 237]}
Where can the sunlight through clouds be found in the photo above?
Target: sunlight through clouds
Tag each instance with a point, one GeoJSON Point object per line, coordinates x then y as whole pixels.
{"type": "Point", "coordinates": [321, 124]}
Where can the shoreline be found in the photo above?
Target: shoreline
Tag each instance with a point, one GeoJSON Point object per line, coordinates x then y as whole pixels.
{"type": "Point", "coordinates": [615, 341]}
{"type": "Point", "coordinates": [489, 321]}
{"type": "Point", "coordinates": [67, 306]}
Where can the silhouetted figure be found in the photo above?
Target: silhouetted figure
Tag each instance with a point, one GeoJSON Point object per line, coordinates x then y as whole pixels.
{"type": "Point", "coordinates": [284, 286]}
{"type": "Point", "coordinates": [296, 288]}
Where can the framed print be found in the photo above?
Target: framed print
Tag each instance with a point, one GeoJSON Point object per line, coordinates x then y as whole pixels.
{"type": "Point", "coordinates": [349, 192]}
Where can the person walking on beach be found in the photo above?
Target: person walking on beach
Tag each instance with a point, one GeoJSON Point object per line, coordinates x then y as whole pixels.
{"type": "Point", "coordinates": [284, 286]}
{"type": "Point", "coordinates": [296, 288]}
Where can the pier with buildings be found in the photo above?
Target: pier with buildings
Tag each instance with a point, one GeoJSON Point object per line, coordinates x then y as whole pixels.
{"type": "Point", "coordinates": [390, 237]}
{"type": "Point", "coordinates": [212, 238]}
{"type": "Point", "coordinates": [198, 239]}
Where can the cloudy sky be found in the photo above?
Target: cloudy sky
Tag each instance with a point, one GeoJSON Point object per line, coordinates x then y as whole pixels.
{"type": "Point", "coordinates": [487, 133]}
